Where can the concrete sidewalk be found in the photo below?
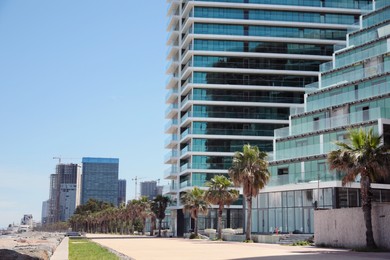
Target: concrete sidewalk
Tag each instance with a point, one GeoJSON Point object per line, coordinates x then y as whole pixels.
{"type": "Point", "coordinates": [178, 248]}
{"type": "Point", "coordinates": [62, 250]}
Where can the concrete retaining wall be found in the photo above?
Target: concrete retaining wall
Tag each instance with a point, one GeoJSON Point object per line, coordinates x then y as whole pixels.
{"type": "Point", "coordinates": [268, 239]}
{"type": "Point", "coordinates": [346, 227]}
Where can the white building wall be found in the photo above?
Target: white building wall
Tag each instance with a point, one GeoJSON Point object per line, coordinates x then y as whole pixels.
{"type": "Point", "coordinates": [345, 227]}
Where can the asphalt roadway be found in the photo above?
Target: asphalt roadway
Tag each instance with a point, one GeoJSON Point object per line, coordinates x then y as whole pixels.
{"type": "Point", "coordinates": [150, 248]}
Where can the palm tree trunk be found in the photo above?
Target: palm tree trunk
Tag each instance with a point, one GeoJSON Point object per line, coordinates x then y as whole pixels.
{"type": "Point", "coordinates": [159, 227]}
{"type": "Point", "coordinates": [196, 227]}
{"type": "Point", "coordinates": [248, 218]}
{"type": "Point", "coordinates": [366, 205]}
{"type": "Point", "coordinates": [220, 209]}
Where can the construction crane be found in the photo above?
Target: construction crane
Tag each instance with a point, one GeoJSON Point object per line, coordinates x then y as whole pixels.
{"type": "Point", "coordinates": [59, 158]}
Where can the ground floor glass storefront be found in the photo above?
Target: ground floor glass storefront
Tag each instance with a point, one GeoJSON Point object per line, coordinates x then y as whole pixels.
{"type": "Point", "coordinates": [231, 218]}
{"type": "Point", "coordinates": [293, 211]}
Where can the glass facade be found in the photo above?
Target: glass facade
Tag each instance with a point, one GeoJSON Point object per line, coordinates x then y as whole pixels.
{"type": "Point", "coordinates": [353, 92]}
{"type": "Point", "coordinates": [100, 179]}
{"type": "Point", "coordinates": [236, 73]}
{"type": "Point", "coordinates": [293, 211]}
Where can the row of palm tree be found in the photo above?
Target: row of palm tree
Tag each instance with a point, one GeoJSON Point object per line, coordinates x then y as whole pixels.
{"type": "Point", "coordinates": [362, 155]}
{"type": "Point", "coordinates": [99, 217]}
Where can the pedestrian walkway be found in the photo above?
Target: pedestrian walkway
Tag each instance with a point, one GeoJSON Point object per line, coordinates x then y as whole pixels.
{"type": "Point", "coordinates": [62, 250]}
{"type": "Point", "coordinates": [147, 248]}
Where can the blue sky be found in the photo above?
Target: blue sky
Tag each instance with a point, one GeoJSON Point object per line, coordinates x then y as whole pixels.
{"type": "Point", "coordinates": [77, 79]}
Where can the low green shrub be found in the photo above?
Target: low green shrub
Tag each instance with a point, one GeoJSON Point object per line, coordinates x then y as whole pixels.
{"type": "Point", "coordinates": [302, 243]}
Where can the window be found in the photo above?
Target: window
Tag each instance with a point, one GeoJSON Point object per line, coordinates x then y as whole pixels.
{"type": "Point", "coordinates": [366, 114]}
{"type": "Point", "coordinates": [282, 171]}
{"type": "Point", "coordinates": [316, 124]}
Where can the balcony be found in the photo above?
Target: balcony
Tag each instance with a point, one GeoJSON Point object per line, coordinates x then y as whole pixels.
{"type": "Point", "coordinates": [171, 141]}
{"type": "Point", "coordinates": [171, 81]}
{"type": "Point", "coordinates": [171, 126]}
{"type": "Point", "coordinates": [171, 96]}
{"type": "Point", "coordinates": [172, 36]}
{"type": "Point", "coordinates": [184, 151]}
{"type": "Point", "coordinates": [190, 31]}
{"type": "Point", "coordinates": [223, 131]}
{"type": "Point", "coordinates": [233, 115]}
{"type": "Point", "coordinates": [172, 51]}
{"type": "Point", "coordinates": [173, 20]}
{"type": "Point", "coordinates": [189, 48]}
{"type": "Point", "coordinates": [300, 178]}
{"type": "Point", "coordinates": [217, 167]}
{"type": "Point", "coordinates": [352, 73]}
{"type": "Point", "coordinates": [172, 6]}
{"type": "Point", "coordinates": [171, 157]}
{"type": "Point", "coordinates": [171, 173]}
{"type": "Point", "coordinates": [186, 69]}
{"type": "Point", "coordinates": [185, 86]}
{"type": "Point", "coordinates": [333, 122]}
{"type": "Point", "coordinates": [360, 37]}
{"type": "Point", "coordinates": [347, 97]}
{"type": "Point", "coordinates": [171, 110]}
{"type": "Point", "coordinates": [170, 189]}
{"type": "Point", "coordinates": [327, 66]}
{"type": "Point", "coordinates": [172, 66]}
{"type": "Point", "coordinates": [185, 184]}
{"type": "Point", "coordinates": [185, 135]}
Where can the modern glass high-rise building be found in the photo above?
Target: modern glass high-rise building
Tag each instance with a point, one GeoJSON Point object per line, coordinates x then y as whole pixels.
{"type": "Point", "coordinates": [100, 179]}
{"type": "Point", "coordinates": [353, 92]}
{"type": "Point", "coordinates": [237, 70]}
{"type": "Point", "coordinates": [121, 192]}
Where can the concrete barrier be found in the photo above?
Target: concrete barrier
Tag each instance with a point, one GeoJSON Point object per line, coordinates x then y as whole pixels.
{"type": "Point", "coordinates": [268, 239]}
{"type": "Point", "coordinates": [346, 227]}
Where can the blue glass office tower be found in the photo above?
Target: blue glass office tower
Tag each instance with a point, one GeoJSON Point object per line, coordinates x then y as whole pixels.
{"type": "Point", "coordinates": [353, 92]}
{"type": "Point", "coordinates": [100, 179]}
{"type": "Point", "coordinates": [237, 70]}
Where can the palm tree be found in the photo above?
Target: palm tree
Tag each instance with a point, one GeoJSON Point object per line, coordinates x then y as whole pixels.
{"type": "Point", "coordinates": [249, 170]}
{"type": "Point", "coordinates": [193, 201]}
{"type": "Point", "coordinates": [159, 205]}
{"type": "Point", "coordinates": [219, 193]}
{"type": "Point", "coordinates": [364, 156]}
{"type": "Point", "coordinates": [143, 205]}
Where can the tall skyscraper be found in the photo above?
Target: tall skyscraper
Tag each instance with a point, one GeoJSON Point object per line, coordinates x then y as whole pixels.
{"type": "Point", "coordinates": [237, 70]}
{"type": "Point", "coordinates": [100, 179]}
{"type": "Point", "coordinates": [70, 189]}
{"type": "Point", "coordinates": [54, 199]}
{"type": "Point", "coordinates": [353, 92]}
{"type": "Point", "coordinates": [121, 192]}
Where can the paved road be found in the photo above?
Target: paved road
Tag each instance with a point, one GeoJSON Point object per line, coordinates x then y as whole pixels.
{"type": "Point", "coordinates": [178, 248]}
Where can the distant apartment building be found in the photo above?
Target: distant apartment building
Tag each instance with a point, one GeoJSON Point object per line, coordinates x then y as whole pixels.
{"type": "Point", "coordinates": [237, 70]}
{"type": "Point", "coordinates": [45, 212]}
{"type": "Point", "coordinates": [149, 189]}
{"type": "Point", "coordinates": [27, 220]}
{"type": "Point", "coordinates": [100, 179]}
{"type": "Point", "coordinates": [353, 92]}
{"type": "Point", "coordinates": [65, 191]}
{"type": "Point", "coordinates": [121, 192]}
